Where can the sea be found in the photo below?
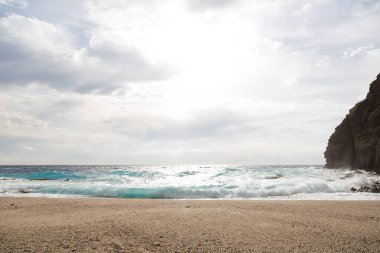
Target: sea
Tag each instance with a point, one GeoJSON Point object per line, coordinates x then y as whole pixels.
{"type": "Point", "coordinates": [186, 182]}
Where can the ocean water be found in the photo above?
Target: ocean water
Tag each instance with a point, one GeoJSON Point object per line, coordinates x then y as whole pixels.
{"type": "Point", "coordinates": [186, 182]}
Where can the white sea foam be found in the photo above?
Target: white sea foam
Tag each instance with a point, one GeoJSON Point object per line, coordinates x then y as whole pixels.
{"type": "Point", "coordinates": [188, 182]}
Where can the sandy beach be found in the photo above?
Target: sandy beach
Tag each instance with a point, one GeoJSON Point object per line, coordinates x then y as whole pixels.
{"type": "Point", "coordinates": [128, 225]}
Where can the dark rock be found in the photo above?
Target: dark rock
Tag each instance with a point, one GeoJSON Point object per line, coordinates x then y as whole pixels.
{"type": "Point", "coordinates": [24, 191]}
{"type": "Point", "coordinates": [356, 172]}
{"type": "Point", "coordinates": [355, 143]}
{"type": "Point", "coordinates": [374, 188]}
{"type": "Point", "coordinates": [274, 177]}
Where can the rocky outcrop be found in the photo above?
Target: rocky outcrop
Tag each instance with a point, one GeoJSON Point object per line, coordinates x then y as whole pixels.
{"type": "Point", "coordinates": [355, 143]}
{"type": "Point", "coordinates": [374, 187]}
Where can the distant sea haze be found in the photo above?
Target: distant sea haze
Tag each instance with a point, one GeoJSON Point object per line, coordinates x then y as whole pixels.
{"type": "Point", "coordinates": [185, 182]}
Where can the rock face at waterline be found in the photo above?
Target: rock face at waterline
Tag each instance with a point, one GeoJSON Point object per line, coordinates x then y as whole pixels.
{"type": "Point", "coordinates": [355, 143]}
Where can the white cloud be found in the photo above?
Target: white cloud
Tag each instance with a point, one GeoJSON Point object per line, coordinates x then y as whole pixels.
{"type": "Point", "coordinates": [356, 51]}
{"type": "Point", "coordinates": [17, 3]}
{"type": "Point", "coordinates": [29, 148]}
{"type": "Point", "coordinates": [46, 53]}
{"type": "Point", "coordinates": [211, 4]}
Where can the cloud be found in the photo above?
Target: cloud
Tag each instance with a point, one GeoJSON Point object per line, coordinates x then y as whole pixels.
{"type": "Point", "coordinates": [15, 3]}
{"type": "Point", "coordinates": [21, 120]}
{"type": "Point", "coordinates": [206, 124]}
{"type": "Point", "coordinates": [211, 4]}
{"type": "Point", "coordinates": [356, 51]}
{"type": "Point", "coordinates": [34, 51]}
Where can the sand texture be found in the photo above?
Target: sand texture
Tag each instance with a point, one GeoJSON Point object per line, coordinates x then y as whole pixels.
{"type": "Point", "coordinates": [125, 225]}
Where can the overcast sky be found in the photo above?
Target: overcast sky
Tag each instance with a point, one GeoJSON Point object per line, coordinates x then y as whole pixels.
{"type": "Point", "coordinates": [181, 82]}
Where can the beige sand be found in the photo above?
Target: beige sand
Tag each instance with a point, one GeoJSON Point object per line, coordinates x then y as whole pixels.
{"type": "Point", "coordinates": [122, 225]}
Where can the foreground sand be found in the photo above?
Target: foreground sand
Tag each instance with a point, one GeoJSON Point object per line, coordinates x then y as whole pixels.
{"type": "Point", "coordinates": [122, 225]}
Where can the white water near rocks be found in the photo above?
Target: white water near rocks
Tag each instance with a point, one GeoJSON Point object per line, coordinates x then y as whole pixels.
{"type": "Point", "coordinates": [186, 182]}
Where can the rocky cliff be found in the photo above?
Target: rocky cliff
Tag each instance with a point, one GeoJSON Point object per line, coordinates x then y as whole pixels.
{"type": "Point", "coordinates": [356, 141]}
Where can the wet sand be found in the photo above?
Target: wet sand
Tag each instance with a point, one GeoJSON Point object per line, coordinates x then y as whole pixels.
{"type": "Point", "coordinates": [125, 225]}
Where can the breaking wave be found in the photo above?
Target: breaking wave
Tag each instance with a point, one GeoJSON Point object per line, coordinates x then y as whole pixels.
{"type": "Point", "coordinates": [185, 182]}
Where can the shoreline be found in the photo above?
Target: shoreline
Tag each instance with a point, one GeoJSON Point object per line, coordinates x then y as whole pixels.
{"type": "Point", "coordinates": [269, 199]}
{"type": "Point", "coordinates": [155, 225]}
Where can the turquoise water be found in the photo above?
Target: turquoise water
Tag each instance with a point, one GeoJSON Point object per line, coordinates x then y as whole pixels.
{"type": "Point", "coordinates": [185, 182]}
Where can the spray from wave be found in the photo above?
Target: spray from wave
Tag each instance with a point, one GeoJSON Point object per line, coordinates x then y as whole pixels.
{"type": "Point", "coordinates": [185, 182]}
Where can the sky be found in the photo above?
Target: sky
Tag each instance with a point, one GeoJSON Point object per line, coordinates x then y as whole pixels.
{"type": "Point", "coordinates": [174, 82]}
